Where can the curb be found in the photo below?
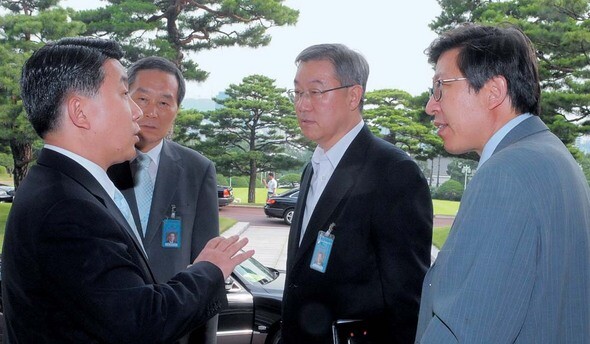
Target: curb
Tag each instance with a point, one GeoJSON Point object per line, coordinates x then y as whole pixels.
{"type": "Point", "coordinates": [238, 229]}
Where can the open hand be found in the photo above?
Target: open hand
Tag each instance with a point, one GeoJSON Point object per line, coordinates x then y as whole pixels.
{"type": "Point", "coordinates": [223, 252]}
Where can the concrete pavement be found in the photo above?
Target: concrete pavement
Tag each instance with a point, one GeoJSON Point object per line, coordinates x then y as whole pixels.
{"type": "Point", "coordinates": [270, 243]}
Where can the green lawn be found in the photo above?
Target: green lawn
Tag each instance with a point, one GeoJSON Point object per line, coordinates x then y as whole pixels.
{"type": "Point", "coordinates": [4, 208]}
{"type": "Point", "coordinates": [440, 207]}
{"type": "Point", "coordinates": [225, 223]}
{"type": "Point", "coordinates": [439, 236]}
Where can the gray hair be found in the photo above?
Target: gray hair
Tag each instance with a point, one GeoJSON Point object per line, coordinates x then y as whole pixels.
{"type": "Point", "coordinates": [350, 66]}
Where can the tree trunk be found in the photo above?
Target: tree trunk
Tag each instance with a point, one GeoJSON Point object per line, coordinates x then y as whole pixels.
{"type": "Point", "coordinates": [22, 153]}
{"type": "Point", "coordinates": [252, 184]}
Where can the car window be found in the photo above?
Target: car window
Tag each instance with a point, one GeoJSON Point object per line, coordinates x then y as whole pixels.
{"type": "Point", "coordinates": [254, 272]}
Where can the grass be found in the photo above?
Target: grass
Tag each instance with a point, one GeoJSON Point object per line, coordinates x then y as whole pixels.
{"type": "Point", "coordinates": [225, 223]}
{"type": "Point", "coordinates": [4, 209]}
{"type": "Point", "coordinates": [439, 236]}
{"type": "Point", "coordinates": [440, 207]}
{"type": "Point", "coordinates": [242, 195]}
{"type": "Point", "coordinates": [445, 207]}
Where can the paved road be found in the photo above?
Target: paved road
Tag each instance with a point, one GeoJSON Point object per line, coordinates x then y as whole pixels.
{"type": "Point", "coordinates": [268, 236]}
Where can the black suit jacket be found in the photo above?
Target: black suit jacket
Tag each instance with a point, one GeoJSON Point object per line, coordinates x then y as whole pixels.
{"type": "Point", "coordinates": [187, 180]}
{"type": "Point", "coordinates": [381, 205]}
{"type": "Point", "coordinates": [72, 272]}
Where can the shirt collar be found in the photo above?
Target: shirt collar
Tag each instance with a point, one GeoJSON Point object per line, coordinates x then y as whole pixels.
{"type": "Point", "coordinates": [495, 140]}
{"type": "Point", "coordinates": [335, 154]}
{"type": "Point", "coordinates": [154, 153]}
{"type": "Point", "coordinates": [96, 171]}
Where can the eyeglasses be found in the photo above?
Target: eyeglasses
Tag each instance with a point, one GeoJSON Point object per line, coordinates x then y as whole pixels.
{"type": "Point", "coordinates": [313, 94]}
{"type": "Point", "coordinates": [436, 89]}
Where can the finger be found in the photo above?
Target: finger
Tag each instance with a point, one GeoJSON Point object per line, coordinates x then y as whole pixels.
{"type": "Point", "coordinates": [223, 245]}
{"type": "Point", "coordinates": [236, 246]}
{"type": "Point", "coordinates": [213, 243]}
{"type": "Point", "coordinates": [239, 258]}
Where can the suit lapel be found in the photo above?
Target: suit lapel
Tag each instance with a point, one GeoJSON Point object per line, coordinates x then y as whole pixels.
{"type": "Point", "coordinates": [78, 173]}
{"type": "Point", "coordinates": [295, 229]}
{"type": "Point", "coordinates": [169, 168]}
{"type": "Point", "coordinates": [335, 194]}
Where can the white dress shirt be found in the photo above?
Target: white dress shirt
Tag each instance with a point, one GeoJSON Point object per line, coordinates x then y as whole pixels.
{"type": "Point", "coordinates": [324, 163]}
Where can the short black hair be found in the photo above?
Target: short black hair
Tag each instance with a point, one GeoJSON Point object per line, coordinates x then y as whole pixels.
{"type": "Point", "coordinates": [162, 64]}
{"type": "Point", "coordinates": [71, 64]}
{"type": "Point", "coordinates": [489, 51]}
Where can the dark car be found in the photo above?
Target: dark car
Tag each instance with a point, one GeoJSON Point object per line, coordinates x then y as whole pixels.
{"type": "Point", "coordinates": [6, 193]}
{"type": "Point", "coordinates": [282, 206]}
{"type": "Point", "coordinates": [254, 294]}
{"type": "Point", "coordinates": [225, 195]}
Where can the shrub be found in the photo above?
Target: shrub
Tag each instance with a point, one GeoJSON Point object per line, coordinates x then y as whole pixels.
{"type": "Point", "coordinates": [222, 180]}
{"type": "Point", "coordinates": [450, 190]}
{"type": "Point", "coordinates": [290, 180]}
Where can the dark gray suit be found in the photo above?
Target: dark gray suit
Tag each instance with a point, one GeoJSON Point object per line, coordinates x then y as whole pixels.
{"type": "Point", "coordinates": [515, 267]}
{"type": "Point", "coordinates": [187, 180]}
{"type": "Point", "coordinates": [380, 203]}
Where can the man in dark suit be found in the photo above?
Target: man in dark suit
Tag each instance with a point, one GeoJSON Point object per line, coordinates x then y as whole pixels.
{"type": "Point", "coordinates": [184, 181]}
{"type": "Point", "coordinates": [364, 204]}
{"type": "Point", "coordinates": [73, 269]}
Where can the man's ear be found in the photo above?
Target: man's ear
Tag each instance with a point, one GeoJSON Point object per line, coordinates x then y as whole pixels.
{"type": "Point", "coordinates": [497, 91]}
{"type": "Point", "coordinates": [76, 109]}
{"type": "Point", "coordinates": [356, 95]}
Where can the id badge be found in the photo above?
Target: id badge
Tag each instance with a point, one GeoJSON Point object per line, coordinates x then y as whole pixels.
{"type": "Point", "coordinates": [171, 233]}
{"type": "Point", "coordinates": [321, 252]}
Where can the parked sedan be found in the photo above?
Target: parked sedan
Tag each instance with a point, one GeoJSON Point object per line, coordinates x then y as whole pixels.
{"type": "Point", "coordinates": [225, 195]}
{"type": "Point", "coordinates": [254, 294]}
{"type": "Point", "coordinates": [282, 206]}
{"type": "Point", "coordinates": [6, 193]}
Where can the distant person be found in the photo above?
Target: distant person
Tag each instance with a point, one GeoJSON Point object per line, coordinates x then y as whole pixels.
{"type": "Point", "coordinates": [363, 202]}
{"type": "Point", "coordinates": [182, 184]}
{"type": "Point", "coordinates": [271, 185]}
{"type": "Point", "coordinates": [73, 265]}
{"type": "Point", "coordinates": [514, 268]}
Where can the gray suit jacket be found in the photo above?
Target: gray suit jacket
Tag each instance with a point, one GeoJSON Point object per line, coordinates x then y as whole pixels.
{"type": "Point", "coordinates": [514, 268]}
{"type": "Point", "coordinates": [187, 180]}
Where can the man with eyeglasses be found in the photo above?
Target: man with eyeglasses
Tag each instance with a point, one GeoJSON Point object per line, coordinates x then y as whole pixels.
{"type": "Point", "coordinates": [364, 207]}
{"type": "Point", "coordinates": [514, 268]}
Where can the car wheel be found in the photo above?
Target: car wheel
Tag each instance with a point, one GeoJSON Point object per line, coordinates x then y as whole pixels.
{"type": "Point", "coordinates": [275, 338]}
{"type": "Point", "coordinates": [288, 216]}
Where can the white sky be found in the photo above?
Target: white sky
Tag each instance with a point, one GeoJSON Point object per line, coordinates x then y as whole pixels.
{"type": "Point", "coordinates": [391, 35]}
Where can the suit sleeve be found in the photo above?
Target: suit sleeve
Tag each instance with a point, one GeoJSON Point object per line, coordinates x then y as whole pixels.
{"type": "Point", "coordinates": [93, 272]}
{"type": "Point", "coordinates": [491, 265]}
{"type": "Point", "coordinates": [402, 236]}
{"type": "Point", "coordinates": [206, 224]}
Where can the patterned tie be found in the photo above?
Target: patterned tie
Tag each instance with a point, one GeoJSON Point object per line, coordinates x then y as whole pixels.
{"type": "Point", "coordinates": [123, 206]}
{"type": "Point", "coordinates": [144, 189]}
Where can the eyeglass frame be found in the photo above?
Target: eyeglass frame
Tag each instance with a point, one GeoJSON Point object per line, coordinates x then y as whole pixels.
{"type": "Point", "coordinates": [295, 96]}
{"type": "Point", "coordinates": [437, 85]}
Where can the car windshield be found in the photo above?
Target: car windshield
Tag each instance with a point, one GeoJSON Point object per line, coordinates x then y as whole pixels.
{"type": "Point", "coordinates": [254, 272]}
